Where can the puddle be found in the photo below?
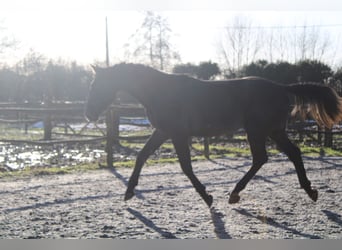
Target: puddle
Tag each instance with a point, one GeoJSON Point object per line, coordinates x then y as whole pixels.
{"type": "Point", "coordinates": [17, 157]}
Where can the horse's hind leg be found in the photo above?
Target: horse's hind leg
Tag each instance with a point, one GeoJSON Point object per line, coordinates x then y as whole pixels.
{"type": "Point", "coordinates": [157, 138]}
{"type": "Point", "coordinates": [183, 152]}
{"type": "Point", "coordinates": [294, 154]}
{"type": "Point", "coordinates": [257, 145]}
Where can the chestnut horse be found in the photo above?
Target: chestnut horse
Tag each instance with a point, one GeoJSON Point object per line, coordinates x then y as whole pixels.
{"type": "Point", "coordinates": [179, 106]}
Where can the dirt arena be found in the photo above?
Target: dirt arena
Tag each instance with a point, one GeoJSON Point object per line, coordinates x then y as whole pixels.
{"type": "Point", "coordinates": [90, 204]}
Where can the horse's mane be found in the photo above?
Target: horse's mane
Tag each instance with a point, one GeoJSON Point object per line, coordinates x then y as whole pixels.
{"type": "Point", "coordinates": [139, 68]}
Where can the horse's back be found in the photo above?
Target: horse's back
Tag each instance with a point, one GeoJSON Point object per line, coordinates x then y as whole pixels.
{"type": "Point", "coordinates": [239, 103]}
{"type": "Point", "coordinates": [215, 107]}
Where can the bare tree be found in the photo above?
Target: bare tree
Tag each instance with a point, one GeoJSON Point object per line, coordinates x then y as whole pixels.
{"type": "Point", "coordinates": [243, 42]}
{"type": "Point", "coordinates": [296, 43]}
{"type": "Point", "coordinates": [275, 44]}
{"type": "Point", "coordinates": [152, 43]}
{"type": "Point", "coordinates": [282, 45]}
{"type": "Point", "coordinates": [6, 40]}
{"type": "Point", "coordinates": [33, 62]}
{"type": "Point", "coordinates": [240, 43]}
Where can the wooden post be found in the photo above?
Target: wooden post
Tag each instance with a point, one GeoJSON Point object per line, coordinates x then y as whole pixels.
{"type": "Point", "coordinates": [328, 139]}
{"type": "Point", "coordinates": [115, 126]}
{"type": "Point", "coordinates": [47, 121]}
{"type": "Point", "coordinates": [47, 127]}
{"type": "Point", "coordinates": [65, 127]}
{"type": "Point", "coordinates": [109, 137]}
{"type": "Point", "coordinates": [26, 124]}
{"type": "Point", "coordinates": [112, 133]}
{"type": "Point", "coordinates": [319, 136]}
{"type": "Point", "coordinates": [206, 147]}
{"type": "Point", "coordinates": [301, 129]}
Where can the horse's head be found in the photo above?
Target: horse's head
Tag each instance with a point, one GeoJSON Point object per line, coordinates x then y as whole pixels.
{"type": "Point", "coordinates": [108, 81]}
{"type": "Point", "coordinates": [101, 94]}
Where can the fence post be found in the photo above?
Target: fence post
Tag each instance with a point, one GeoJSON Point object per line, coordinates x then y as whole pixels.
{"type": "Point", "coordinates": [109, 137]}
{"type": "Point", "coordinates": [47, 127]}
{"type": "Point", "coordinates": [319, 135]}
{"type": "Point", "coordinates": [206, 147]}
{"type": "Point", "coordinates": [26, 125]}
{"type": "Point", "coordinates": [116, 124]}
{"type": "Point", "coordinates": [328, 138]}
{"type": "Point", "coordinates": [47, 121]}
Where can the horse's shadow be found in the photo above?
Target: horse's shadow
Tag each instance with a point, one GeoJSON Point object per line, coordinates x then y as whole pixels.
{"type": "Point", "coordinates": [272, 222]}
{"type": "Point", "coordinates": [123, 179]}
{"type": "Point", "coordinates": [333, 217]}
{"type": "Point", "coordinates": [239, 168]}
{"type": "Point", "coordinates": [149, 223]}
{"type": "Point", "coordinates": [218, 223]}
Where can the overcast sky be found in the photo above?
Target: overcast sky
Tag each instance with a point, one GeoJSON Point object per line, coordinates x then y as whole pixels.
{"type": "Point", "coordinates": [75, 30]}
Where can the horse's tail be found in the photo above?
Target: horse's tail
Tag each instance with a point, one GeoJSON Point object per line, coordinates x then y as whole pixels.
{"type": "Point", "coordinates": [321, 102]}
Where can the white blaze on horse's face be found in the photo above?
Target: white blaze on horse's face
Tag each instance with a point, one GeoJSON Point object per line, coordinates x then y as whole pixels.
{"type": "Point", "coordinates": [101, 94]}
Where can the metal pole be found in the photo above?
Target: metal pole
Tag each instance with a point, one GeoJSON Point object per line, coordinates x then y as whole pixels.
{"type": "Point", "coordinates": [109, 117]}
{"type": "Point", "coordinates": [112, 119]}
{"type": "Point", "coordinates": [107, 49]}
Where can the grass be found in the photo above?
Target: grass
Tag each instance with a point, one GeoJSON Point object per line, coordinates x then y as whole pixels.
{"type": "Point", "coordinates": [222, 152]}
{"type": "Point", "coordinates": [35, 171]}
{"type": "Point", "coordinates": [217, 150]}
{"type": "Point", "coordinates": [320, 151]}
{"type": "Point", "coordinates": [19, 134]}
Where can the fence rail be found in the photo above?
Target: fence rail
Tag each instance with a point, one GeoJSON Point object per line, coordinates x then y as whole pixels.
{"type": "Point", "coordinates": [67, 113]}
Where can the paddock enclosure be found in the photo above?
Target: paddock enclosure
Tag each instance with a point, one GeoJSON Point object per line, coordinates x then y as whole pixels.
{"type": "Point", "coordinates": [90, 204]}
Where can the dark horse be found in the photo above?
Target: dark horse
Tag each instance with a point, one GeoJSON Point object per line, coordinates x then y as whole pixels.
{"type": "Point", "coordinates": [179, 106]}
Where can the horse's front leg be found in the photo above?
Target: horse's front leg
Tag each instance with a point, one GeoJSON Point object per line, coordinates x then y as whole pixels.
{"type": "Point", "coordinates": [156, 140]}
{"type": "Point", "coordinates": [183, 152]}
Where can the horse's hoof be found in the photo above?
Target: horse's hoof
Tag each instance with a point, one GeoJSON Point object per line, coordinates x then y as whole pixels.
{"type": "Point", "coordinates": [313, 194]}
{"type": "Point", "coordinates": [209, 200]}
{"type": "Point", "coordinates": [129, 195]}
{"type": "Point", "coordinates": [234, 198]}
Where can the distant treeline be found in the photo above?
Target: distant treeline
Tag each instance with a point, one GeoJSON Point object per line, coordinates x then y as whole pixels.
{"type": "Point", "coordinates": [54, 81]}
{"type": "Point", "coordinates": [302, 71]}
{"type": "Point", "coordinates": [58, 81]}
{"type": "Point", "coordinates": [282, 72]}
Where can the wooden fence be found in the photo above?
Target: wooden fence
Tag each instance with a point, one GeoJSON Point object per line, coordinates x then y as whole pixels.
{"type": "Point", "coordinates": [308, 130]}
{"type": "Point", "coordinates": [51, 114]}
{"type": "Point", "coordinates": [62, 113]}
{"type": "Point", "coordinates": [67, 113]}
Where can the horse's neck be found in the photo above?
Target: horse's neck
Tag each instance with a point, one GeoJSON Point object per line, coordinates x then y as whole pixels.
{"type": "Point", "coordinates": [139, 86]}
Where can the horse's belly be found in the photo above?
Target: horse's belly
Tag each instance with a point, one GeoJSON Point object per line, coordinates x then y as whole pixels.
{"type": "Point", "coordinates": [215, 126]}
{"type": "Point", "coordinates": [196, 122]}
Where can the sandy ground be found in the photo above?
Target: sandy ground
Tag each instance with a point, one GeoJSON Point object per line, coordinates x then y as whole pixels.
{"type": "Point", "coordinates": [90, 204]}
